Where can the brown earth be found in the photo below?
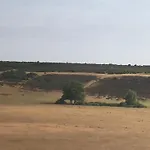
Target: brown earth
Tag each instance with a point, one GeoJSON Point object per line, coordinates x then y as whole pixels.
{"type": "Point", "coordinates": [54, 127]}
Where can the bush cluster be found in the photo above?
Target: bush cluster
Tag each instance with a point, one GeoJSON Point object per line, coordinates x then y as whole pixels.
{"type": "Point", "coordinates": [16, 76]}
{"type": "Point", "coordinates": [73, 91]}
{"type": "Point", "coordinates": [73, 67]}
{"type": "Point", "coordinates": [13, 75]}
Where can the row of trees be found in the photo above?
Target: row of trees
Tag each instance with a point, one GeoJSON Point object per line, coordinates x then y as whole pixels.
{"type": "Point", "coordinates": [74, 91]}
{"type": "Point", "coordinates": [73, 67]}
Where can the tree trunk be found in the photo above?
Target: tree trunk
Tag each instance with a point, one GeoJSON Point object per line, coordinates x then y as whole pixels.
{"type": "Point", "coordinates": [75, 101]}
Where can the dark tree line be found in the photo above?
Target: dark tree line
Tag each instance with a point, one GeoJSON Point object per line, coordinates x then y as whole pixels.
{"type": "Point", "coordinates": [73, 67]}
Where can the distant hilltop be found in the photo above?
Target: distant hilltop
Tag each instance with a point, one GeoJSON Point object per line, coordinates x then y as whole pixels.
{"type": "Point", "coordinates": [74, 67]}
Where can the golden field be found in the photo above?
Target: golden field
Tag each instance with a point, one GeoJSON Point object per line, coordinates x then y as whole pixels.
{"type": "Point", "coordinates": [26, 124]}
{"type": "Point", "coordinates": [54, 127]}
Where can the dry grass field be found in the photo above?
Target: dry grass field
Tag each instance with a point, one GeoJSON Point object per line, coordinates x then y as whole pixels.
{"type": "Point", "coordinates": [51, 127]}
{"type": "Point", "coordinates": [16, 96]}
{"type": "Point", "coordinates": [26, 124]}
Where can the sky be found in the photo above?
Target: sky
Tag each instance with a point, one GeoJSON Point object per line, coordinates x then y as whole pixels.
{"type": "Point", "coordinates": [91, 31]}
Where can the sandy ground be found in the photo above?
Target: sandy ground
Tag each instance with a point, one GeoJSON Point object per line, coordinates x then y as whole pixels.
{"type": "Point", "coordinates": [51, 127]}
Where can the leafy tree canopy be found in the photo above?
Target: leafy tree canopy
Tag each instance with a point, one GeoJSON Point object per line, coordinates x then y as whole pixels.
{"type": "Point", "coordinates": [74, 91]}
{"type": "Point", "coordinates": [131, 97]}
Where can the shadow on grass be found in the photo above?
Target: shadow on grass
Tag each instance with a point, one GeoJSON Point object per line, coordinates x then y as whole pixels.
{"type": "Point", "coordinates": [138, 105]}
{"type": "Point", "coordinates": [47, 103]}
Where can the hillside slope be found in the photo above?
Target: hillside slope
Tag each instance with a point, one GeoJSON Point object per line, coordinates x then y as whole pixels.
{"type": "Point", "coordinates": [96, 84]}
{"type": "Point", "coordinates": [118, 86]}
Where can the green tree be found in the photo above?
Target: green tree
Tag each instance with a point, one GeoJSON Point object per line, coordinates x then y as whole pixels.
{"type": "Point", "coordinates": [131, 97]}
{"type": "Point", "coordinates": [74, 91]}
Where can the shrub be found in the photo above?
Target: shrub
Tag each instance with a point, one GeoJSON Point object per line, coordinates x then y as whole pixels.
{"type": "Point", "coordinates": [131, 97]}
{"type": "Point", "coordinates": [99, 104]}
{"type": "Point", "coordinates": [122, 104]}
{"type": "Point", "coordinates": [137, 105]}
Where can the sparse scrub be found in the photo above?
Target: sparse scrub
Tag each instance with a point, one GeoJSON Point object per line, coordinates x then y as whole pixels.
{"type": "Point", "coordinates": [13, 76]}
{"type": "Point", "coordinates": [131, 100]}
{"type": "Point", "coordinates": [122, 104]}
{"type": "Point", "coordinates": [56, 81]}
{"type": "Point", "coordinates": [31, 75]}
{"type": "Point", "coordinates": [118, 87]}
{"type": "Point", "coordinates": [131, 97]}
{"type": "Point", "coordinates": [137, 105]}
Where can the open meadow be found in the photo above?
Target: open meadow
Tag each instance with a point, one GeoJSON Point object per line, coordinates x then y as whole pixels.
{"type": "Point", "coordinates": [54, 127]}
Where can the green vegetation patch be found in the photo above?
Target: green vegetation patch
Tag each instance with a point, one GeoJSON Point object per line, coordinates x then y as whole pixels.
{"type": "Point", "coordinates": [56, 81]}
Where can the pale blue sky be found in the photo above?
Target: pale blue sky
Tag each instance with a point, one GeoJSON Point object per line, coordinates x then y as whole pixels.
{"type": "Point", "coordinates": [95, 31]}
